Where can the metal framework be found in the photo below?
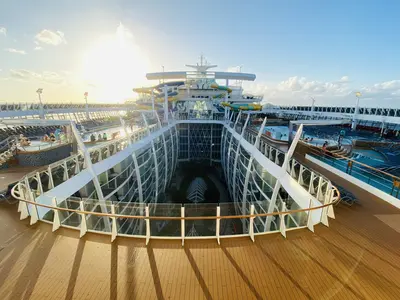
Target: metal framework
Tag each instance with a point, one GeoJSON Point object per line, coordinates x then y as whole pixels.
{"type": "Point", "coordinates": [367, 116]}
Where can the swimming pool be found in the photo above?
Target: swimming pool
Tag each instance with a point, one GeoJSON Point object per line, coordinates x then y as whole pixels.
{"type": "Point", "coordinates": [39, 145]}
{"type": "Point", "coordinates": [369, 153]}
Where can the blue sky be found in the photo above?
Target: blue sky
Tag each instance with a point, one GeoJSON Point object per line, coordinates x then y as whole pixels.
{"type": "Point", "coordinates": [298, 49]}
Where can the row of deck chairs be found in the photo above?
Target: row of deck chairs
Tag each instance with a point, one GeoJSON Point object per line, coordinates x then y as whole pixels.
{"type": "Point", "coordinates": [88, 124]}
{"type": "Point", "coordinates": [32, 106]}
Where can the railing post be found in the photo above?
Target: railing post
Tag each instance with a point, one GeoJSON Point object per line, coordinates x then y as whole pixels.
{"type": "Point", "coordinates": [56, 213]}
{"type": "Point", "coordinates": [251, 226]}
{"type": "Point", "coordinates": [65, 167]}
{"type": "Point", "coordinates": [311, 186]}
{"type": "Point", "coordinates": [23, 208]}
{"type": "Point", "coordinates": [282, 225]}
{"type": "Point", "coordinates": [51, 181]}
{"type": "Point", "coordinates": [319, 190]}
{"type": "Point", "coordinates": [39, 181]}
{"type": "Point", "coordinates": [310, 224]}
{"type": "Point", "coordinates": [33, 213]}
{"type": "Point", "coordinates": [147, 225]}
{"type": "Point", "coordinates": [83, 220]}
{"type": "Point", "coordinates": [324, 213]}
{"type": "Point", "coordinates": [218, 223]}
{"type": "Point", "coordinates": [114, 231]}
{"type": "Point", "coordinates": [331, 213]}
{"type": "Point", "coordinates": [183, 224]}
{"type": "Point", "coordinates": [300, 178]}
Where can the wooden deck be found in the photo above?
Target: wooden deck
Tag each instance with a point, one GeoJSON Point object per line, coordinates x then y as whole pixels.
{"type": "Point", "coordinates": [12, 175]}
{"type": "Point", "coordinates": [357, 257]}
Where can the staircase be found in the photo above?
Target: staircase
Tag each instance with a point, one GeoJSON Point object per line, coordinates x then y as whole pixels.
{"type": "Point", "coordinates": [7, 149]}
{"type": "Point", "coordinates": [342, 151]}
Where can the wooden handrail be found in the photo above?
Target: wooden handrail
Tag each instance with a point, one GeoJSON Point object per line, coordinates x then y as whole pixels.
{"type": "Point", "coordinates": [178, 218]}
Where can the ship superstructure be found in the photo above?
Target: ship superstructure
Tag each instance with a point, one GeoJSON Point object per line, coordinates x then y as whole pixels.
{"type": "Point", "coordinates": [199, 90]}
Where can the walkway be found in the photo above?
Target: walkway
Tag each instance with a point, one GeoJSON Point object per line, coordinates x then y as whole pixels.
{"type": "Point", "coordinates": [12, 175]}
{"type": "Point", "coordinates": [357, 257]}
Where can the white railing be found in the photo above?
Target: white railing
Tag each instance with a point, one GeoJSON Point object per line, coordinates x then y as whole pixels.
{"type": "Point", "coordinates": [151, 216]}
{"type": "Point", "coordinates": [164, 221]}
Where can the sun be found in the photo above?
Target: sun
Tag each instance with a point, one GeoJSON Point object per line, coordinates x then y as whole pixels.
{"type": "Point", "coordinates": [113, 66]}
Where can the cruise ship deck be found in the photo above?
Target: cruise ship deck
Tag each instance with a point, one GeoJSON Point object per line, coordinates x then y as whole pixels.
{"type": "Point", "coordinates": [106, 219]}
{"type": "Point", "coordinates": [357, 257]}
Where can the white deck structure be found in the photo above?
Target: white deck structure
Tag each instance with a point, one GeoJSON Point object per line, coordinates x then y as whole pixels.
{"type": "Point", "coordinates": [115, 187]}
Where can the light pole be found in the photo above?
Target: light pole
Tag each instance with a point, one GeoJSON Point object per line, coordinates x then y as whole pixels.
{"type": "Point", "coordinates": [39, 92]}
{"type": "Point", "coordinates": [313, 103]}
{"type": "Point", "coordinates": [86, 94]}
{"type": "Point", "coordinates": [163, 74]}
{"type": "Point", "coordinates": [354, 122]}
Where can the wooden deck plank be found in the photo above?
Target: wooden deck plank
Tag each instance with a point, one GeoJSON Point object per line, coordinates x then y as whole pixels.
{"type": "Point", "coordinates": [357, 257]}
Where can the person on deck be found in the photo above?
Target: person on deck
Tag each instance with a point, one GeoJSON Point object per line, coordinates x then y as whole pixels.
{"type": "Point", "coordinates": [324, 146]}
{"type": "Point", "coordinates": [52, 137]}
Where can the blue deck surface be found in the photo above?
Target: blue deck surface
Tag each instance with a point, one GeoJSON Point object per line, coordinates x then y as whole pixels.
{"type": "Point", "coordinates": [332, 133]}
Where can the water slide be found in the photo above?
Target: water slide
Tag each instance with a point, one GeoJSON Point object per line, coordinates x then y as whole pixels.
{"type": "Point", "coordinates": [220, 87]}
{"type": "Point", "coordinates": [158, 91]}
{"type": "Point", "coordinates": [170, 94]}
{"type": "Point", "coordinates": [147, 105]}
{"type": "Point", "coordinates": [169, 84]}
{"type": "Point", "coordinates": [143, 90]}
{"type": "Point", "coordinates": [242, 106]}
{"type": "Point", "coordinates": [219, 96]}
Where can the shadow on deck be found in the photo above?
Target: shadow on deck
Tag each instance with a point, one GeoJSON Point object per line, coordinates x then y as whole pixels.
{"type": "Point", "coordinates": [357, 257]}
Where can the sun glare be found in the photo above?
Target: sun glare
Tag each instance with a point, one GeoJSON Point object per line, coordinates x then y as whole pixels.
{"type": "Point", "coordinates": [113, 66]}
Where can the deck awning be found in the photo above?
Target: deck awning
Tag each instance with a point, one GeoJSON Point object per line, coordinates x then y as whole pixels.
{"type": "Point", "coordinates": [235, 76]}
{"type": "Point", "coordinates": [218, 75]}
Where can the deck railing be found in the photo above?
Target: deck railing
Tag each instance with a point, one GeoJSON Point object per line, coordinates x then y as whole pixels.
{"type": "Point", "coordinates": [167, 220]}
{"type": "Point", "coordinates": [379, 179]}
{"type": "Point", "coordinates": [312, 181]}
{"type": "Point", "coordinates": [148, 220]}
{"type": "Point", "coordinates": [64, 169]}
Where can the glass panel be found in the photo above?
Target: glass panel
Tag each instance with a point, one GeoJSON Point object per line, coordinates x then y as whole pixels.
{"type": "Point", "coordinates": [260, 223]}
{"type": "Point", "coordinates": [129, 225]}
{"type": "Point", "coordinates": [165, 227]}
{"type": "Point", "coordinates": [70, 218]}
{"type": "Point", "coordinates": [232, 226]}
{"type": "Point", "coordinates": [306, 175]}
{"type": "Point", "coordinates": [200, 227]}
{"type": "Point", "coordinates": [97, 223]}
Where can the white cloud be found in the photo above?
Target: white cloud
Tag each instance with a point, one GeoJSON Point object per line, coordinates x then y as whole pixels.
{"type": "Point", "coordinates": [49, 77]}
{"type": "Point", "coordinates": [50, 37]}
{"type": "Point", "coordinates": [297, 90]}
{"type": "Point", "coordinates": [52, 77]}
{"type": "Point", "coordinates": [387, 89]}
{"type": "Point", "coordinates": [233, 69]}
{"type": "Point", "coordinates": [12, 50]}
{"type": "Point", "coordinates": [23, 74]}
{"type": "Point", "coordinates": [37, 48]}
{"type": "Point", "coordinates": [3, 31]}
